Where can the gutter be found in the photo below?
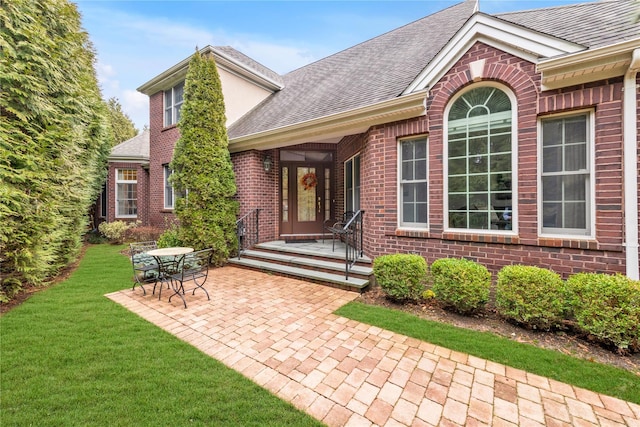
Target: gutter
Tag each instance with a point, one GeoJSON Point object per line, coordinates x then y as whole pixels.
{"type": "Point", "coordinates": [333, 126]}
{"type": "Point", "coordinates": [630, 152]}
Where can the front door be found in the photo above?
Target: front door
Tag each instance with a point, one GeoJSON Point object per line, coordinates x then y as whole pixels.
{"type": "Point", "coordinates": [306, 197]}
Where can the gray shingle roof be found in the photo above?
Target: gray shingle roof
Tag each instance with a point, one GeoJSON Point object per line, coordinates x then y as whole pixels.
{"type": "Point", "coordinates": [381, 68]}
{"type": "Point", "coordinates": [248, 62]}
{"type": "Point", "coordinates": [136, 148]}
{"type": "Point", "coordinates": [589, 24]}
{"type": "Point", "coordinates": [374, 71]}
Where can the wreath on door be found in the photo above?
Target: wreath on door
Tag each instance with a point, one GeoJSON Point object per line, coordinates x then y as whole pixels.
{"type": "Point", "coordinates": [309, 181]}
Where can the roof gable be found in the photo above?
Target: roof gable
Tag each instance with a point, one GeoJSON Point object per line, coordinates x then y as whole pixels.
{"type": "Point", "coordinates": [227, 58]}
{"type": "Point", "coordinates": [506, 36]}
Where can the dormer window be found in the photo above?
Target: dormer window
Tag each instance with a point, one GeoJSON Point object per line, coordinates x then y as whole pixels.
{"type": "Point", "coordinates": [173, 99]}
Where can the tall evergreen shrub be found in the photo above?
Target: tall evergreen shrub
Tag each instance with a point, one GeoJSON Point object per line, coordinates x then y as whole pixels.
{"type": "Point", "coordinates": [54, 137]}
{"type": "Point", "coordinates": [202, 168]}
{"type": "Point", "coordinates": [121, 124]}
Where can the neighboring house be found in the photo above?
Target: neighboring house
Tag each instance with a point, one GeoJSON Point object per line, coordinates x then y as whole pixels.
{"type": "Point", "coordinates": [508, 138]}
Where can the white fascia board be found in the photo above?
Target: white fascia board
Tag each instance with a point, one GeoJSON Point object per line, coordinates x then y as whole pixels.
{"type": "Point", "coordinates": [128, 159]}
{"type": "Point", "coordinates": [514, 39]}
{"type": "Point", "coordinates": [178, 72]}
{"type": "Point", "coordinates": [586, 66]}
{"type": "Point", "coordinates": [333, 127]}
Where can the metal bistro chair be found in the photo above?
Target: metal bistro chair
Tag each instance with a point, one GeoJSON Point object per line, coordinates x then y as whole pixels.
{"type": "Point", "coordinates": [193, 267]}
{"type": "Point", "coordinates": [145, 267]}
{"type": "Point", "coordinates": [337, 228]}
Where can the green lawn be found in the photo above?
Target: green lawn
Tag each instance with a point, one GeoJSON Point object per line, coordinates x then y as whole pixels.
{"type": "Point", "coordinates": [71, 357]}
{"type": "Point", "coordinates": [553, 364]}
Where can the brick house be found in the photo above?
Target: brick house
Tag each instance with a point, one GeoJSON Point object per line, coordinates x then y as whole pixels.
{"type": "Point", "coordinates": [507, 138]}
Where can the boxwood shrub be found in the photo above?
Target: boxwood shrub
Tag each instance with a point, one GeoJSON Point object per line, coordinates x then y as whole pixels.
{"type": "Point", "coordinates": [607, 307]}
{"type": "Point", "coordinates": [401, 276]}
{"type": "Point", "coordinates": [530, 296]}
{"type": "Point", "coordinates": [460, 284]}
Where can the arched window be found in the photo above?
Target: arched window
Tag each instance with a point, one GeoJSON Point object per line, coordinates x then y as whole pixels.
{"type": "Point", "coordinates": [479, 160]}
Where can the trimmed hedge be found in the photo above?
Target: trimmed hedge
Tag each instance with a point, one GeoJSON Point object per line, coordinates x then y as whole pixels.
{"type": "Point", "coordinates": [607, 307]}
{"type": "Point", "coordinates": [531, 296]}
{"type": "Point", "coordinates": [461, 284]}
{"type": "Point", "coordinates": [401, 276]}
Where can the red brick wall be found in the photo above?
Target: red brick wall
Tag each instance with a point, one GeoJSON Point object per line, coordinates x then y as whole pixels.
{"type": "Point", "coordinates": [162, 142]}
{"type": "Point", "coordinates": [379, 175]}
{"type": "Point", "coordinates": [258, 189]}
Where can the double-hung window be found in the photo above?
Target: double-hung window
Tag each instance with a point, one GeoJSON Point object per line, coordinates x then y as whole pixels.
{"type": "Point", "coordinates": [566, 175]}
{"type": "Point", "coordinates": [126, 193]}
{"type": "Point", "coordinates": [414, 189]}
{"type": "Point", "coordinates": [352, 184]}
{"type": "Point", "coordinates": [173, 99]}
{"type": "Point", "coordinates": [479, 166]}
{"type": "Point", "coordinates": [168, 189]}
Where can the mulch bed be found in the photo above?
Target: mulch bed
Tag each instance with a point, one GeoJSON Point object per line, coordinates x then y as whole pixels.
{"type": "Point", "coordinates": [490, 321]}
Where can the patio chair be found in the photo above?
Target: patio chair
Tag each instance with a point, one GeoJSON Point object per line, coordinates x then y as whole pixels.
{"type": "Point", "coordinates": [145, 267]}
{"type": "Point", "coordinates": [193, 267]}
{"type": "Point", "coordinates": [337, 228]}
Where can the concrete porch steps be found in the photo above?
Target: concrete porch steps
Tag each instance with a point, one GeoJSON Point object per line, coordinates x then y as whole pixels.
{"type": "Point", "coordinates": [315, 262]}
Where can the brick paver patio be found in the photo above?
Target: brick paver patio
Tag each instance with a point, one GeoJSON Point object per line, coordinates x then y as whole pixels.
{"type": "Point", "coordinates": [281, 333]}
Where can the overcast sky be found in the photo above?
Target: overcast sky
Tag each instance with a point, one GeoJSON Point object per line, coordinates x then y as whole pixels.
{"type": "Point", "coordinates": [137, 40]}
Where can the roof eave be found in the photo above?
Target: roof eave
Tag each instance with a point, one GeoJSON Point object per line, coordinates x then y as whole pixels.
{"type": "Point", "coordinates": [587, 66]}
{"type": "Point", "coordinates": [333, 127]}
{"type": "Point", "coordinates": [128, 159]}
{"type": "Point", "coordinates": [178, 72]}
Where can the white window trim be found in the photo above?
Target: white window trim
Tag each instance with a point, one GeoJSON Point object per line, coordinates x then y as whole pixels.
{"type": "Point", "coordinates": [165, 169]}
{"type": "Point", "coordinates": [514, 163]}
{"type": "Point", "coordinates": [173, 105]}
{"type": "Point", "coordinates": [116, 193]}
{"type": "Point", "coordinates": [344, 165]}
{"type": "Point", "coordinates": [412, 226]}
{"type": "Point", "coordinates": [591, 199]}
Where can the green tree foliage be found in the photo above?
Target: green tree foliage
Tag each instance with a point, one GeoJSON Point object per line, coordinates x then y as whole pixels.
{"type": "Point", "coordinates": [54, 136]}
{"type": "Point", "coordinates": [201, 164]}
{"type": "Point", "coordinates": [122, 126]}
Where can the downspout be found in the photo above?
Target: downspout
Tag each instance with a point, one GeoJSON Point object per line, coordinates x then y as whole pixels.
{"type": "Point", "coordinates": [630, 152]}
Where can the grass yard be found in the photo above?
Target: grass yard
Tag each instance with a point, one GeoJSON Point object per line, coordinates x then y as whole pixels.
{"type": "Point", "coordinates": [71, 357]}
{"type": "Point", "coordinates": [548, 363]}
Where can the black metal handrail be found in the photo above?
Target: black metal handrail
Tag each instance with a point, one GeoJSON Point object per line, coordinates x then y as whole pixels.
{"type": "Point", "coordinates": [247, 229]}
{"type": "Point", "coordinates": [353, 241]}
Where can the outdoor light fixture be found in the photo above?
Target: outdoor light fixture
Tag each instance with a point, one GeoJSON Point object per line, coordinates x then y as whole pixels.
{"type": "Point", "coordinates": [266, 163]}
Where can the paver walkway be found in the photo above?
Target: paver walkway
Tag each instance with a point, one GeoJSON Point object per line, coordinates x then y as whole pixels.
{"type": "Point", "coordinates": [281, 333]}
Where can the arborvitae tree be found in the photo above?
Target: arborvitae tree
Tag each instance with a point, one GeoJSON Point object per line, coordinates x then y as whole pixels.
{"type": "Point", "coordinates": [122, 126]}
{"type": "Point", "coordinates": [54, 137]}
{"type": "Point", "coordinates": [201, 164]}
